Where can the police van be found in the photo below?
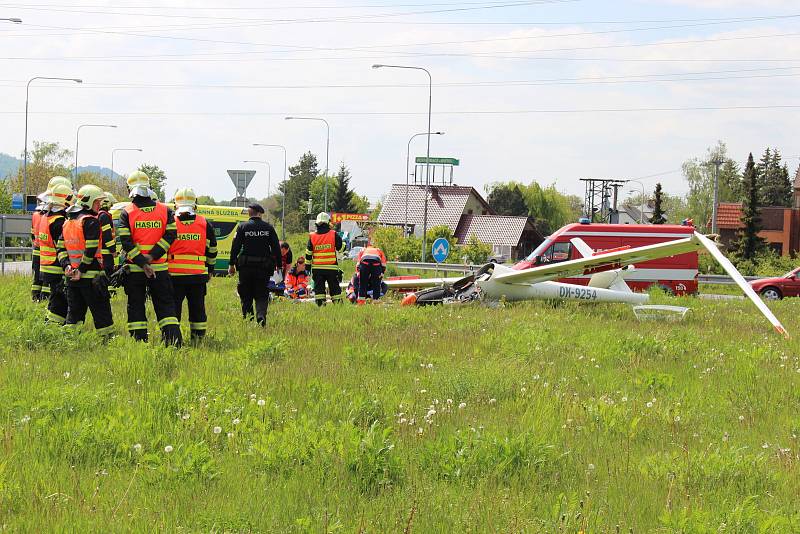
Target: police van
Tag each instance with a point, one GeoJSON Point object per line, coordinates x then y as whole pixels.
{"type": "Point", "coordinates": [225, 219]}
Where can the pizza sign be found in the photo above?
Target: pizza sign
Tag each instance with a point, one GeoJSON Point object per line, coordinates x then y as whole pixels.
{"type": "Point", "coordinates": [337, 218]}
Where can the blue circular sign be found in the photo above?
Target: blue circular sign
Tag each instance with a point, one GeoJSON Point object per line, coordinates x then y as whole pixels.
{"type": "Point", "coordinates": [440, 250]}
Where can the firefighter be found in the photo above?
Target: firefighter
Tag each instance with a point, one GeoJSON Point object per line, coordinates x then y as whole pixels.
{"type": "Point", "coordinates": [106, 221]}
{"type": "Point", "coordinates": [191, 260]}
{"type": "Point", "coordinates": [146, 232]}
{"type": "Point", "coordinates": [80, 254]}
{"type": "Point", "coordinates": [321, 250]}
{"type": "Point", "coordinates": [50, 270]}
{"type": "Point", "coordinates": [256, 254]}
{"type": "Point", "coordinates": [37, 291]}
{"type": "Point", "coordinates": [371, 265]}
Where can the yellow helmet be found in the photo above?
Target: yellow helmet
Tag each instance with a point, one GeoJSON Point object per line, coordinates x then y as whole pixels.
{"type": "Point", "coordinates": [60, 195]}
{"type": "Point", "coordinates": [88, 194]}
{"type": "Point", "coordinates": [185, 200]}
{"type": "Point", "coordinates": [55, 180]}
{"type": "Point", "coordinates": [108, 201]}
{"type": "Point", "coordinates": [139, 184]}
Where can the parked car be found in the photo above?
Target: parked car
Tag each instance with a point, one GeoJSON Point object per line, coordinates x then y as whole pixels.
{"type": "Point", "coordinates": [787, 285]}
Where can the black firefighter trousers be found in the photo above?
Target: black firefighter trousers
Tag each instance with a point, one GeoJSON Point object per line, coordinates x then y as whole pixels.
{"type": "Point", "coordinates": [57, 298]}
{"type": "Point", "coordinates": [81, 297]}
{"type": "Point", "coordinates": [161, 293]}
{"type": "Point", "coordinates": [331, 277]}
{"type": "Point", "coordinates": [195, 295]}
{"type": "Point", "coordinates": [253, 287]}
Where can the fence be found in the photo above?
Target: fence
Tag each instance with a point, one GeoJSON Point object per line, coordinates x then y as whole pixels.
{"type": "Point", "coordinates": [13, 227]}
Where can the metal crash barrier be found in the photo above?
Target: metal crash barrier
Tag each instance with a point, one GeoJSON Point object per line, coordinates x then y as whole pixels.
{"type": "Point", "coordinates": [16, 227]}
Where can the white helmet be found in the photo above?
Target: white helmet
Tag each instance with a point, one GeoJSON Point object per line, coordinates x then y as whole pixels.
{"type": "Point", "coordinates": [323, 218]}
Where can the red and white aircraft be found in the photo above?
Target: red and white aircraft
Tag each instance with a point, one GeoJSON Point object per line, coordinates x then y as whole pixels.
{"type": "Point", "coordinates": [607, 268]}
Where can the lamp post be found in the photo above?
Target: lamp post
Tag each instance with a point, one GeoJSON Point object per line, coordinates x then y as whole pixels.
{"type": "Point", "coordinates": [428, 154]}
{"type": "Point", "coordinates": [77, 138]}
{"type": "Point", "coordinates": [25, 156]}
{"type": "Point", "coordinates": [285, 186]}
{"type": "Point", "coordinates": [327, 150]}
{"type": "Point", "coordinates": [717, 161]}
{"type": "Point", "coordinates": [269, 172]}
{"type": "Point", "coordinates": [408, 158]}
{"type": "Point", "coordinates": [120, 150]}
{"type": "Point", "coordinates": [14, 20]}
{"type": "Point", "coordinates": [641, 209]}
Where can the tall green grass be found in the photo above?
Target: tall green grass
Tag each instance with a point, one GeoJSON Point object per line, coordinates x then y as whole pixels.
{"type": "Point", "coordinates": [532, 417]}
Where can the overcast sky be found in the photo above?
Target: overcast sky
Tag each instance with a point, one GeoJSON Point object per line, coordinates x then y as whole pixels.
{"type": "Point", "coordinates": [520, 87]}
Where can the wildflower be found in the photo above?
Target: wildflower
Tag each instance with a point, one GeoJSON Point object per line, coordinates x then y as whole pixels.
{"type": "Point", "coordinates": [203, 398]}
{"type": "Point", "coordinates": [449, 401]}
{"type": "Point", "coordinates": [168, 449]}
{"type": "Point", "coordinates": [217, 429]}
{"type": "Point", "coordinates": [423, 391]}
{"type": "Point", "coordinates": [261, 402]}
{"type": "Point", "coordinates": [25, 419]}
{"type": "Point", "coordinates": [649, 404]}
{"type": "Point", "coordinates": [624, 399]}
{"type": "Point", "coordinates": [765, 445]}
{"type": "Point", "coordinates": [741, 418]}
{"type": "Point", "coordinates": [431, 413]}
{"type": "Point", "coordinates": [252, 396]}
{"type": "Point", "coordinates": [536, 377]}
{"type": "Point", "coordinates": [591, 467]}
{"type": "Point", "coordinates": [403, 420]}
{"type": "Point", "coordinates": [523, 390]}
{"type": "Point", "coordinates": [725, 436]}
{"type": "Point", "coordinates": [185, 416]}
{"type": "Point", "coordinates": [138, 381]}
{"type": "Point", "coordinates": [66, 374]}
{"type": "Point", "coordinates": [138, 448]}
{"type": "Point", "coordinates": [492, 400]}
{"type": "Point", "coordinates": [236, 421]}
{"type": "Point", "coordinates": [677, 418]}
{"type": "Point", "coordinates": [230, 435]}
{"type": "Point", "coordinates": [430, 366]}
{"type": "Point", "coordinates": [462, 405]}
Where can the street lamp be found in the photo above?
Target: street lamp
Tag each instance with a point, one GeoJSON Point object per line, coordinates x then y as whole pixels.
{"type": "Point", "coordinates": [428, 155]}
{"type": "Point", "coordinates": [327, 150]}
{"type": "Point", "coordinates": [408, 158]}
{"type": "Point", "coordinates": [641, 209]}
{"type": "Point", "coordinates": [120, 150]}
{"type": "Point", "coordinates": [14, 20]}
{"type": "Point", "coordinates": [25, 156]}
{"type": "Point", "coordinates": [285, 186]}
{"type": "Point", "coordinates": [77, 138]}
{"type": "Point", "coordinates": [269, 172]}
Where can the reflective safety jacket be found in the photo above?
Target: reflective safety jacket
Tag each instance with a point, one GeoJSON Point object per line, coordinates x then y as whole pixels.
{"type": "Point", "coordinates": [296, 280]}
{"type": "Point", "coordinates": [109, 237]}
{"type": "Point", "coordinates": [322, 248]}
{"type": "Point", "coordinates": [49, 232]}
{"type": "Point", "coordinates": [189, 253]}
{"type": "Point", "coordinates": [36, 218]}
{"type": "Point", "coordinates": [373, 254]}
{"type": "Point", "coordinates": [82, 242]}
{"type": "Point", "coordinates": [147, 227]}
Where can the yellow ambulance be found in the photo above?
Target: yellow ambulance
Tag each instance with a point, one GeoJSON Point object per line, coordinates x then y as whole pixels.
{"type": "Point", "coordinates": [225, 220]}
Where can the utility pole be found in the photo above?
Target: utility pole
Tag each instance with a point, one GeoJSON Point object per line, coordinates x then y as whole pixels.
{"type": "Point", "coordinates": [717, 162]}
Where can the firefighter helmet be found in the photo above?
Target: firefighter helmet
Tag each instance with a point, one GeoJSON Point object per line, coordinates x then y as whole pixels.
{"type": "Point", "coordinates": [88, 195]}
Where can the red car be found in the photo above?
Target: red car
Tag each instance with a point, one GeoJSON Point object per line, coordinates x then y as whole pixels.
{"type": "Point", "coordinates": [787, 285]}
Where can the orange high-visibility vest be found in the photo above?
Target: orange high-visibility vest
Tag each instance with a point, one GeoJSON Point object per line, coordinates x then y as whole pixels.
{"type": "Point", "coordinates": [323, 250]}
{"type": "Point", "coordinates": [48, 255]}
{"type": "Point", "coordinates": [36, 217]}
{"type": "Point", "coordinates": [187, 255]}
{"type": "Point", "coordinates": [75, 241]}
{"type": "Point", "coordinates": [147, 228]}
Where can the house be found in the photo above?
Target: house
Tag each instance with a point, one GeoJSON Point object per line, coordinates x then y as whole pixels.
{"type": "Point", "coordinates": [465, 212]}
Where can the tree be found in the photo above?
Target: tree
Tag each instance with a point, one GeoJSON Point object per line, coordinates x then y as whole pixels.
{"type": "Point", "coordinates": [317, 193]}
{"type": "Point", "coordinates": [206, 200]}
{"type": "Point", "coordinates": [343, 197]}
{"type": "Point", "coordinates": [507, 199]}
{"type": "Point", "coordinates": [749, 244]}
{"type": "Point", "coordinates": [699, 173]}
{"type": "Point", "coordinates": [474, 251]}
{"type": "Point", "coordinates": [114, 186]}
{"type": "Point", "coordinates": [550, 208]}
{"type": "Point", "coordinates": [158, 178]}
{"type": "Point", "coordinates": [45, 160]}
{"type": "Point", "coordinates": [296, 190]}
{"type": "Point", "coordinates": [658, 209]}
{"type": "Point", "coordinates": [775, 187]}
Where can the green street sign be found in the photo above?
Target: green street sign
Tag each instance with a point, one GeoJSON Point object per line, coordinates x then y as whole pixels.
{"type": "Point", "coordinates": [438, 161]}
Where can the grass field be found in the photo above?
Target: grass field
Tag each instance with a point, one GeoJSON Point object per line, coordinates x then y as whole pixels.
{"type": "Point", "coordinates": [527, 418]}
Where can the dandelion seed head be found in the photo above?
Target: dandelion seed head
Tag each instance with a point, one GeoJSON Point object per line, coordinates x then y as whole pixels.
{"type": "Point", "coordinates": [168, 449]}
{"type": "Point", "coordinates": [217, 429]}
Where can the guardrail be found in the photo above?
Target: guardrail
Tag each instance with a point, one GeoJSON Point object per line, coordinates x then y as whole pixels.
{"type": "Point", "coordinates": [721, 279]}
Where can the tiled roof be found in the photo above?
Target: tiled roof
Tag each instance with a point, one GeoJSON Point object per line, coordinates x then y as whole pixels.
{"type": "Point", "coordinates": [445, 207]}
{"type": "Point", "coordinates": [492, 229]}
{"type": "Point", "coordinates": [729, 215]}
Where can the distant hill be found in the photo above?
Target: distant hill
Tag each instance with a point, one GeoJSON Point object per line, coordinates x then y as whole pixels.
{"type": "Point", "coordinates": [10, 164]}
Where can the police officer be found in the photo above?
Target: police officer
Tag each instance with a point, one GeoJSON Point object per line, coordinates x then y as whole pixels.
{"type": "Point", "coordinates": [80, 254]}
{"type": "Point", "coordinates": [191, 260]}
{"type": "Point", "coordinates": [146, 232]}
{"type": "Point", "coordinates": [257, 255]}
{"type": "Point", "coordinates": [321, 250]}
{"type": "Point", "coordinates": [51, 272]}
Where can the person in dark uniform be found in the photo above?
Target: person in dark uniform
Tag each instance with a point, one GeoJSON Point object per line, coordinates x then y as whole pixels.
{"type": "Point", "coordinates": [50, 270]}
{"type": "Point", "coordinates": [256, 254]}
{"type": "Point", "coordinates": [146, 232]}
{"type": "Point", "coordinates": [80, 253]}
{"type": "Point", "coordinates": [321, 253]}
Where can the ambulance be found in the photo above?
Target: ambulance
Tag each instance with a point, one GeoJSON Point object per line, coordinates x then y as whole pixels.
{"type": "Point", "coordinates": [676, 275]}
{"type": "Point", "coordinates": [225, 219]}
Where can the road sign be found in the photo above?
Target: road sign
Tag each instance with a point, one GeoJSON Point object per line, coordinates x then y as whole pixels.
{"type": "Point", "coordinates": [438, 161]}
{"type": "Point", "coordinates": [16, 201]}
{"type": "Point", "coordinates": [440, 250]}
{"type": "Point", "coordinates": [241, 179]}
